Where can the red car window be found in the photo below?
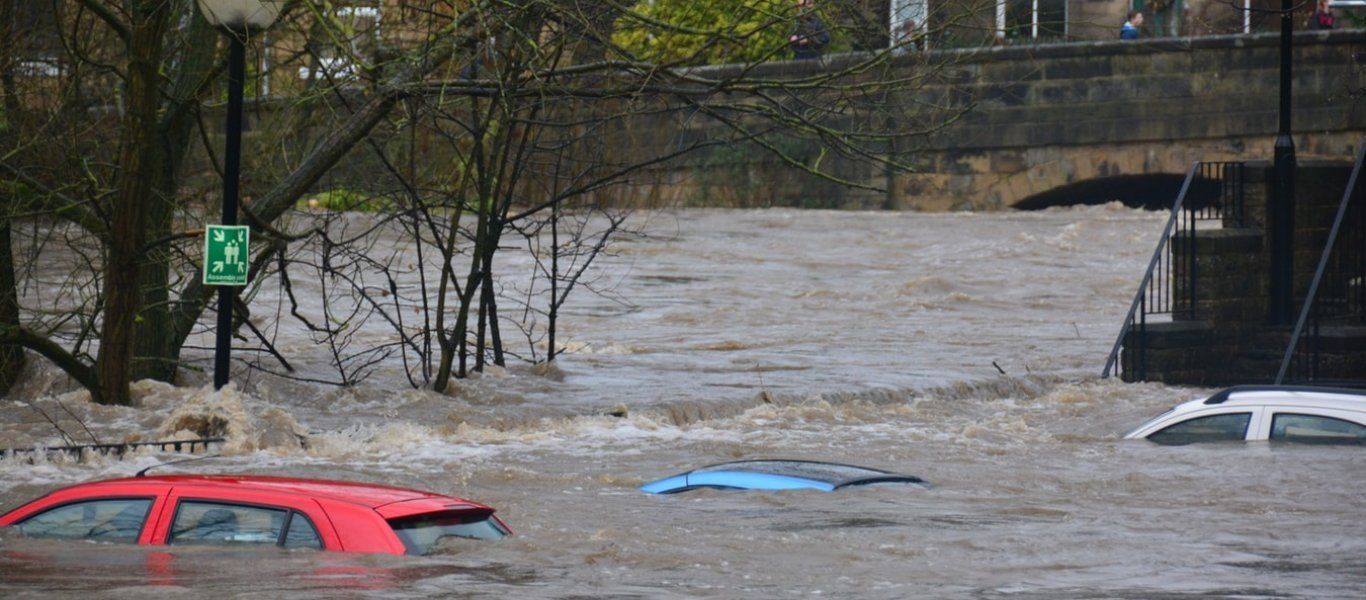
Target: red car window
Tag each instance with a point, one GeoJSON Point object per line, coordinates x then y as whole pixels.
{"type": "Point", "coordinates": [301, 533]}
{"type": "Point", "coordinates": [213, 523]}
{"type": "Point", "coordinates": [244, 516]}
{"type": "Point", "coordinates": [104, 520]}
{"type": "Point", "coordinates": [421, 533]}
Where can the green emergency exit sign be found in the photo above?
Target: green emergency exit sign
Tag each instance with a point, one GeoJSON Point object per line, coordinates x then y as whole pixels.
{"type": "Point", "coordinates": [225, 254]}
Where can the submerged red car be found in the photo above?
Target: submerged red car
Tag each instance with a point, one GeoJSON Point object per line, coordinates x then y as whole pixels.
{"type": "Point", "coordinates": [226, 510]}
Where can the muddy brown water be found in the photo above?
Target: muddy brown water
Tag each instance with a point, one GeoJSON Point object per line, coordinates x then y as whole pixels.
{"type": "Point", "coordinates": [857, 337]}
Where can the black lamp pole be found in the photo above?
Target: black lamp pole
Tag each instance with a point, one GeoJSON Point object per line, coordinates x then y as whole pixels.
{"type": "Point", "coordinates": [232, 161]}
{"type": "Point", "coordinates": [1282, 211]}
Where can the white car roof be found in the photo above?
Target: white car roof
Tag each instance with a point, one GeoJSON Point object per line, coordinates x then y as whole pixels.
{"type": "Point", "coordinates": [1320, 397]}
{"type": "Point", "coordinates": [1311, 399]}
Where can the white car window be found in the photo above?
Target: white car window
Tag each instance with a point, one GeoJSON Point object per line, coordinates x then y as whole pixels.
{"type": "Point", "coordinates": [1214, 428]}
{"type": "Point", "coordinates": [1315, 429]}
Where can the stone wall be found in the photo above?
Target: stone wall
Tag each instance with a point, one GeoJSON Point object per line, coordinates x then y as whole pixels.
{"type": "Point", "coordinates": [1048, 116]}
{"type": "Point", "coordinates": [1042, 119]}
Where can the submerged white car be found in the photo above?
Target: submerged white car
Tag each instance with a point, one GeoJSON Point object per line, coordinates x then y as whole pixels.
{"type": "Point", "coordinates": [1315, 415]}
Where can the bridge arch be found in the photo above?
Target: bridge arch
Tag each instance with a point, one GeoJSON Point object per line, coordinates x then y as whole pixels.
{"type": "Point", "coordinates": [1151, 191]}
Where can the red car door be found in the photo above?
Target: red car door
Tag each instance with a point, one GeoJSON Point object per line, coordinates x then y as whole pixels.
{"type": "Point", "coordinates": [220, 515]}
{"type": "Point", "coordinates": [123, 505]}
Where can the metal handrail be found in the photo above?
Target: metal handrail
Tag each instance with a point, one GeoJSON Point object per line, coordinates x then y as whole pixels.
{"type": "Point", "coordinates": [1140, 295]}
{"type": "Point", "coordinates": [1323, 266]}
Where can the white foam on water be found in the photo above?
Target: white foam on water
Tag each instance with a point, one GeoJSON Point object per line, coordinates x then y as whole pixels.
{"type": "Point", "coordinates": [861, 337]}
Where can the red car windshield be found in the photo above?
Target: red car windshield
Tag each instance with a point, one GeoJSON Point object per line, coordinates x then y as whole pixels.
{"type": "Point", "coordinates": [421, 533]}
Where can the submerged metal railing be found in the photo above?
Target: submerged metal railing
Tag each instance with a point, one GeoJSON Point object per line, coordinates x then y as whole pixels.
{"type": "Point", "coordinates": [119, 449]}
{"type": "Point", "coordinates": [1337, 294]}
{"type": "Point", "coordinates": [1212, 191]}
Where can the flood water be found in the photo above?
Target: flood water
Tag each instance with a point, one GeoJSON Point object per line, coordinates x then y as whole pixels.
{"type": "Point", "coordinates": [866, 338]}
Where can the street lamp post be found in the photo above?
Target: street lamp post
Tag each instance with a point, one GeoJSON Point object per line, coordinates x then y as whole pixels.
{"type": "Point", "coordinates": [237, 19]}
{"type": "Point", "coordinates": [1283, 200]}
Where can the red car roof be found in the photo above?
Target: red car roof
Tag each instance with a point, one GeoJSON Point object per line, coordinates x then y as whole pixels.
{"type": "Point", "coordinates": [365, 494]}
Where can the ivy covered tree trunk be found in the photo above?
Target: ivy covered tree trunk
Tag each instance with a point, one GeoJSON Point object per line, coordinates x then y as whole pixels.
{"type": "Point", "coordinates": [11, 355]}
{"type": "Point", "coordinates": [135, 193]}
{"type": "Point", "coordinates": [156, 345]}
{"type": "Point", "coordinates": [156, 350]}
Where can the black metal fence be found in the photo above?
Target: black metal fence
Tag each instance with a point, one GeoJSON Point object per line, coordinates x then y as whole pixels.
{"type": "Point", "coordinates": [1212, 191]}
{"type": "Point", "coordinates": [117, 449]}
{"type": "Point", "coordinates": [1337, 295]}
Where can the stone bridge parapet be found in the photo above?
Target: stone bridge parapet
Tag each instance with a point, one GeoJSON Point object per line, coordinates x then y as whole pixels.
{"type": "Point", "coordinates": [1051, 116]}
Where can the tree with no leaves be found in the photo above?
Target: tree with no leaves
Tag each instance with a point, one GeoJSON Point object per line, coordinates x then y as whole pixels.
{"type": "Point", "coordinates": [480, 123]}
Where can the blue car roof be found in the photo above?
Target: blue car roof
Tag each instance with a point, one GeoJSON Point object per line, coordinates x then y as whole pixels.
{"type": "Point", "coordinates": [776, 474]}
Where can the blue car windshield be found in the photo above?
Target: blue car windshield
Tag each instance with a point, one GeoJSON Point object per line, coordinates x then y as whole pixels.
{"type": "Point", "coordinates": [832, 474]}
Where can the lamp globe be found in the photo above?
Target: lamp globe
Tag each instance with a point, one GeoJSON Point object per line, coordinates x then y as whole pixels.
{"type": "Point", "coordinates": [241, 15]}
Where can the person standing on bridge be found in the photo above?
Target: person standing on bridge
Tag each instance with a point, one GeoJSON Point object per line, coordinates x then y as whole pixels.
{"type": "Point", "coordinates": [809, 36]}
{"type": "Point", "coordinates": [1130, 29]}
{"type": "Point", "coordinates": [908, 38]}
{"type": "Point", "coordinates": [1322, 19]}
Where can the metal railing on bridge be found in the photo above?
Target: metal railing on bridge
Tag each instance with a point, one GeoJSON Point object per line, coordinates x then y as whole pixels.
{"type": "Point", "coordinates": [1212, 191]}
{"type": "Point", "coordinates": [1337, 294]}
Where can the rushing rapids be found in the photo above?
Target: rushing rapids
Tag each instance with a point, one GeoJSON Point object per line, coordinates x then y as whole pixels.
{"type": "Point", "coordinates": [960, 348]}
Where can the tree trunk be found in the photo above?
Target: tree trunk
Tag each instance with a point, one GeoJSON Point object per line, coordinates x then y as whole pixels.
{"type": "Point", "coordinates": [137, 175]}
{"type": "Point", "coordinates": [554, 278]}
{"type": "Point", "coordinates": [155, 350]}
{"type": "Point", "coordinates": [480, 331]}
{"type": "Point", "coordinates": [156, 347]}
{"type": "Point", "coordinates": [9, 38]}
{"type": "Point", "coordinates": [491, 299]}
{"type": "Point", "coordinates": [11, 355]}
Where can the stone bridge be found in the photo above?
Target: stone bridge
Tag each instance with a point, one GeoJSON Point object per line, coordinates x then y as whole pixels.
{"type": "Point", "coordinates": [1089, 122]}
